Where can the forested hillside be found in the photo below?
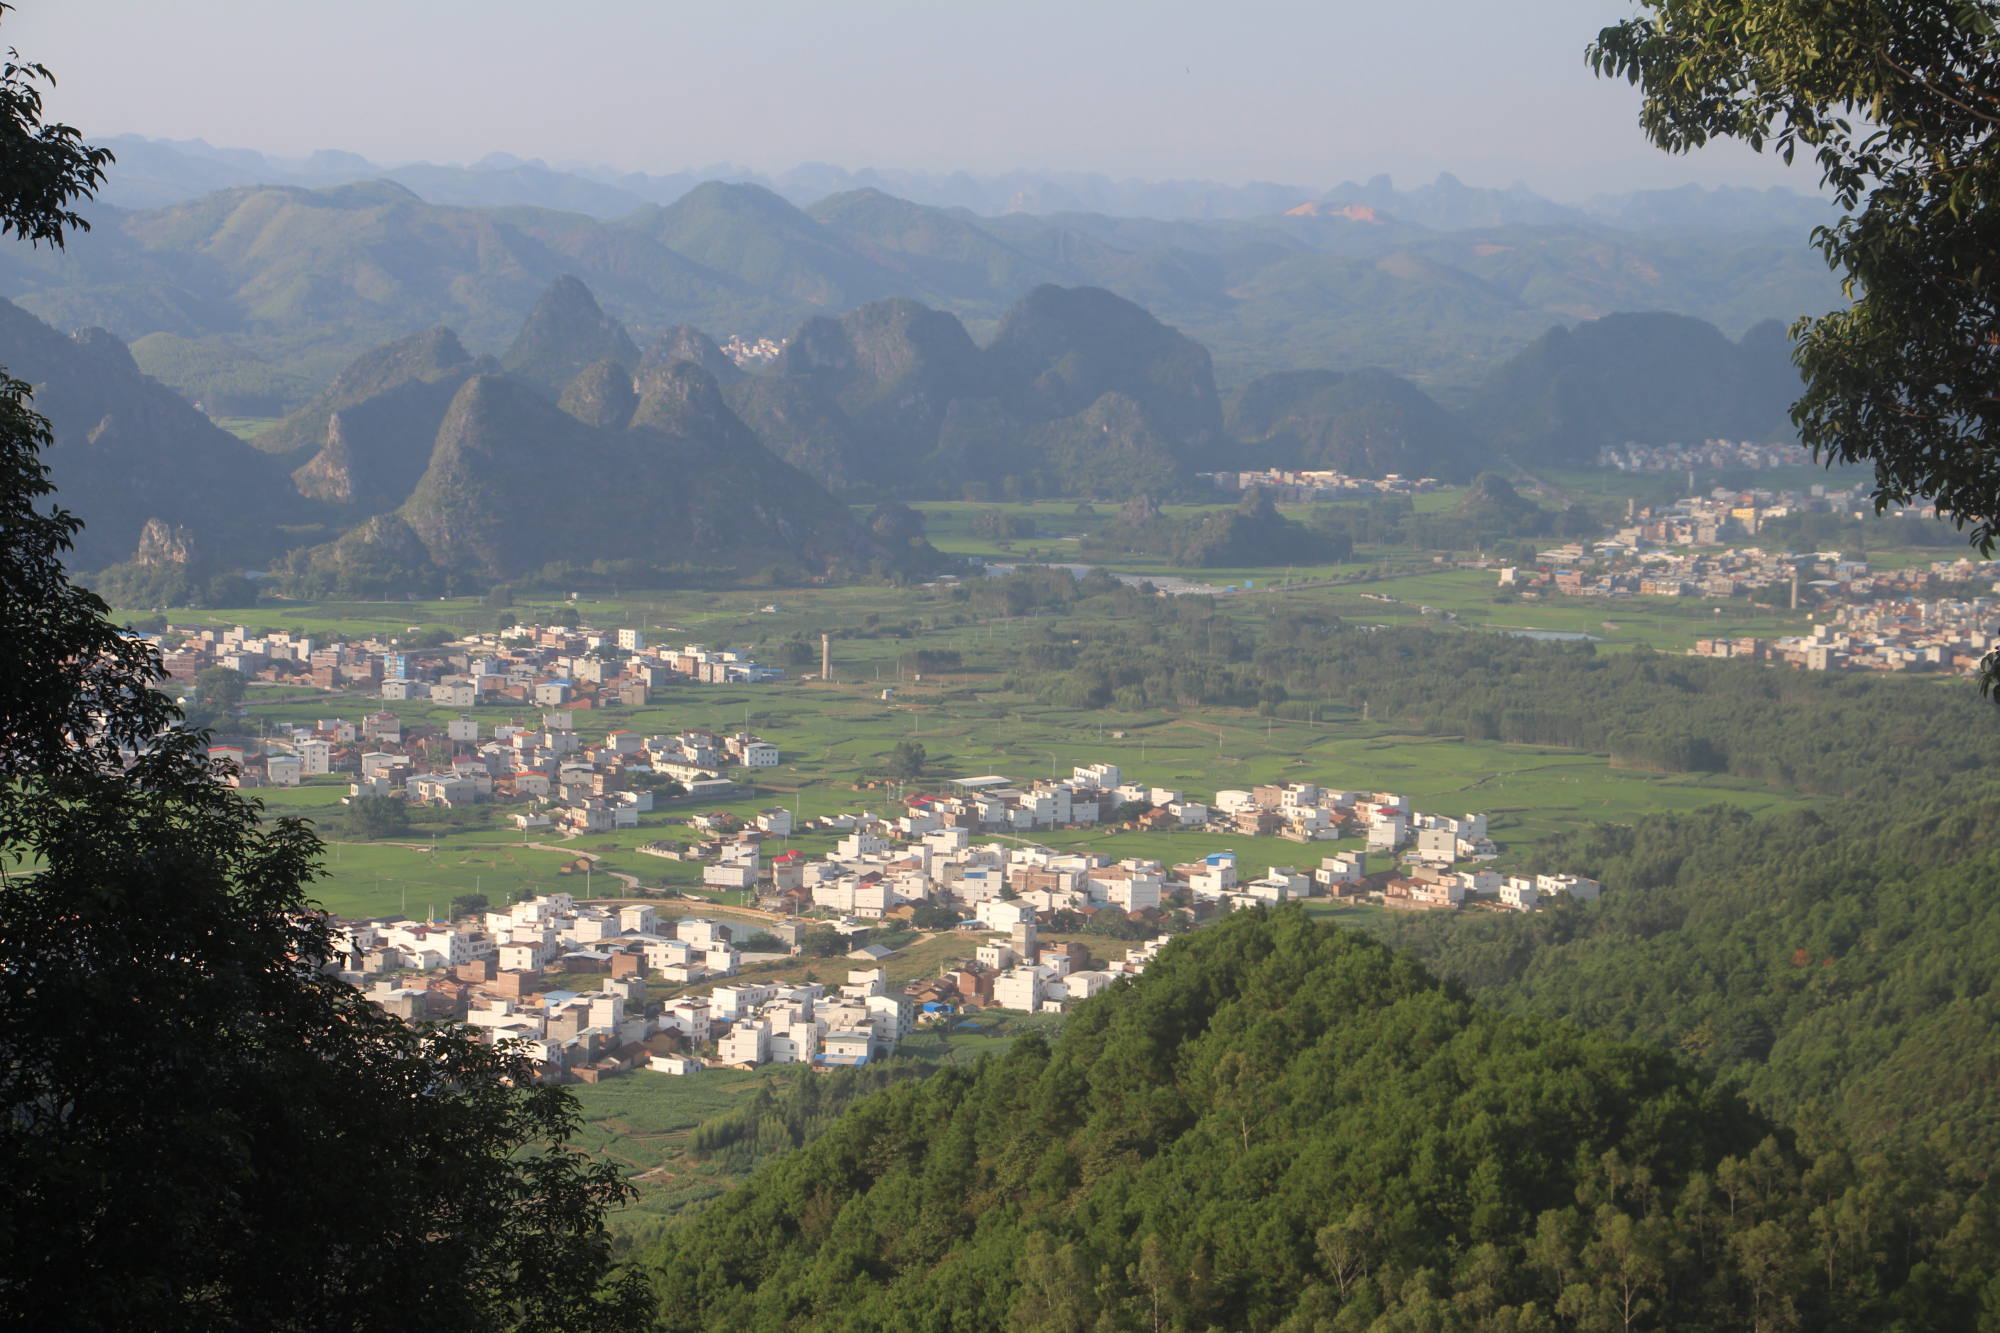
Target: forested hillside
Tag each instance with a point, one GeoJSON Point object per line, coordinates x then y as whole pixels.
{"type": "Point", "coordinates": [1283, 1125]}
{"type": "Point", "coordinates": [1837, 964]}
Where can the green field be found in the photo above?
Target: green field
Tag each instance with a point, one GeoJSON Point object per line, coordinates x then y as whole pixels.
{"type": "Point", "coordinates": [835, 736]}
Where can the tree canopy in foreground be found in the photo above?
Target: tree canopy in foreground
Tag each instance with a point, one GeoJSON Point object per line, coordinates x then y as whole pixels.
{"type": "Point", "coordinates": [1897, 101]}
{"type": "Point", "coordinates": [200, 1128]}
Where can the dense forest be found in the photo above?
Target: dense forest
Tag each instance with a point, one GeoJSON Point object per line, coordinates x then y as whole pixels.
{"type": "Point", "coordinates": [1837, 964]}
{"type": "Point", "coordinates": [1288, 1126]}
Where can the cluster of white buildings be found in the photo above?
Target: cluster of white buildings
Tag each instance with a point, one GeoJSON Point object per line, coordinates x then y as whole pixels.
{"type": "Point", "coordinates": [552, 667]}
{"type": "Point", "coordinates": [1634, 457]}
{"type": "Point", "coordinates": [1942, 636]}
{"type": "Point", "coordinates": [1290, 486]}
{"type": "Point", "coordinates": [561, 781]}
{"type": "Point", "coordinates": [528, 938]}
{"type": "Point", "coordinates": [753, 351]}
{"type": "Point", "coordinates": [928, 853]}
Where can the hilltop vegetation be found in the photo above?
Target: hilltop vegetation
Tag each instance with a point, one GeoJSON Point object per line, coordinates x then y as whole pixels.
{"type": "Point", "coordinates": [1285, 1125]}
{"type": "Point", "coordinates": [1835, 965]}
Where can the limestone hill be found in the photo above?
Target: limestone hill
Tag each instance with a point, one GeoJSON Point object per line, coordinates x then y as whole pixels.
{"type": "Point", "coordinates": [1651, 378]}
{"type": "Point", "coordinates": [306, 279]}
{"type": "Point", "coordinates": [1366, 423]}
{"type": "Point", "coordinates": [1080, 391]}
{"type": "Point", "coordinates": [128, 449]}
{"type": "Point", "coordinates": [565, 332]}
{"type": "Point", "coordinates": [364, 442]}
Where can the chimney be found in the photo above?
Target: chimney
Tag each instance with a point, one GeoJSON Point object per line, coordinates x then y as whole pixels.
{"type": "Point", "coordinates": [826, 657]}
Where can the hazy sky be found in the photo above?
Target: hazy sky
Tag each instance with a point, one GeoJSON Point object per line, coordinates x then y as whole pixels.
{"type": "Point", "coordinates": [1492, 90]}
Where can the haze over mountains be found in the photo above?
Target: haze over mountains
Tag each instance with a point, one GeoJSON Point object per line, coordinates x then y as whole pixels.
{"type": "Point", "coordinates": [255, 294]}
{"type": "Point", "coordinates": [424, 465]}
{"type": "Point", "coordinates": [153, 173]}
{"type": "Point", "coordinates": [436, 339]}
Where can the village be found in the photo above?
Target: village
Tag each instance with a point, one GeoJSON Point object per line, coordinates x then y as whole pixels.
{"type": "Point", "coordinates": [571, 978]}
{"type": "Point", "coordinates": [1873, 620]}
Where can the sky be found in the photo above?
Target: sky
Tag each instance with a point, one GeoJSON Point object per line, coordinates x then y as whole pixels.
{"type": "Point", "coordinates": [1298, 93]}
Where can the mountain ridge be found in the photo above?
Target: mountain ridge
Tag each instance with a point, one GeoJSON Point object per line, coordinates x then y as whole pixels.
{"type": "Point", "coordinates": [306, 279]}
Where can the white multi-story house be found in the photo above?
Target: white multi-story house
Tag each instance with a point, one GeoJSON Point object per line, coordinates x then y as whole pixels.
{"type": "Point", "coordinates": [748, 1042]}
{"type": "Point", "coordinates": [1019, 988]}
{"type": "Point", "coordinates": [1583, 890]}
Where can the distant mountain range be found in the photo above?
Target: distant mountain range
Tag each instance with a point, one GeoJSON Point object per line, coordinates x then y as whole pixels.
{"type": "Point", "coordinates": [154, 173]}
{"type": "Point", "coordinates": [426, 466]}
{"type": "Point", "coordinates": [255, 296]}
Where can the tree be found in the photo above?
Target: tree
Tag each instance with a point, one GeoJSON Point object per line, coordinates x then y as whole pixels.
{"type": "Point", "coordinates": [229, 590]}
{"type": "Point", "coordinates": [1896, 100]}
{"type": "Point", "coordinates": [824, 944]}
{"type": "Point", "coordinates": [221, 686]}
{"type": "Point", "coordinates": [934, 916]}
{"type": "Point", "coordinates": [431, 636]}
{"type": "Point", "coordinates": [469, 904]}
{"type": "Point", "coordinates": [256, 1145]}
{"type": "Point", "coordinates": [378, 816]}
{"type": "Point", "coordinates": [212, 702]}
{"type": "Point", "coordinates": [897, 524]}
{"type": "Point", "coordinates": [906, 760]}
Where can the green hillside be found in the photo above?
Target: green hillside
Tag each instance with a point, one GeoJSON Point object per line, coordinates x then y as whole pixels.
{"type": "Point", "coordinates": [1284, 1125]}
{"type": "Point", "coordinates": [1366, 423]}
{"type": "Point", "coordinates": [942, 254]}
{"type": "Point", "coordinates": [1079, 392]}
{"type": "Point", "coordinates": [565, 332]}
{"type": "Point", "coordinates": [224, 380]}
{"type": "Point", "coordinates": [756, 237]}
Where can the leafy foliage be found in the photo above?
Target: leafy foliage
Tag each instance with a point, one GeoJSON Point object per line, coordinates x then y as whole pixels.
{"type": "Point", "coordinates": [906, 760]}
{"type": "Point", "coordinates": [1834, 964]}
{"type": "Point", "coordinates": [378, 817]}
{"type": "Point", "coordinates": [269, 1149]}
{"type": "Point", "coordinates": [1286, 1126]}
{"type": "Point", "coordinates": [1896, 103]}
{"type": "Point", "coordinates": [212, 704]}
{"type": "Point", "coordinates": [771, 1123]}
